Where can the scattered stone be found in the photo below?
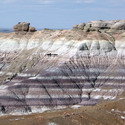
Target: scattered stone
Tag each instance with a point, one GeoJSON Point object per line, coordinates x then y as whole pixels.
{"type": "Point", "coordinates": [32, 29]}
{"type": "Point", "coordinates": [23, 28]}
{"type": "Point", "coordinates": [75, 27]}
{"type": "Point", "coordinates": [81, 26]}
{"type": "Point", "coordinates": [119, 25]}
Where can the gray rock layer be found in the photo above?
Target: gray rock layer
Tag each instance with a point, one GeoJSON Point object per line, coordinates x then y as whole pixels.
{"type": "Point", "coordinates": [56, 69]}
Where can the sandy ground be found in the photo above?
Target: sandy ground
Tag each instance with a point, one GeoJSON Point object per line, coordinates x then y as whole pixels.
{"type": "Point", "coordinates": [105, 113]}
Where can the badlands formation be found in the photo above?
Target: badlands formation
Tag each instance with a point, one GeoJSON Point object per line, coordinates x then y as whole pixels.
{"type": "Point", "coordinates": [55, 69]}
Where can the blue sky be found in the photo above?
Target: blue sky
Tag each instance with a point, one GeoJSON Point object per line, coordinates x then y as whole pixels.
{"type": "Point", "coordinates": [59, 13]}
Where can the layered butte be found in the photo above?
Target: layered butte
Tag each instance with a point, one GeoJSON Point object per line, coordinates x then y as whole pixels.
{"type": "Point", "coordinates": [51, 69]}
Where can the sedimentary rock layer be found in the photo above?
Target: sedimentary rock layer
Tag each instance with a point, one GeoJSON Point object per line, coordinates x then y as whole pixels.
{"type": "Point", "coordinates": [58, 68]}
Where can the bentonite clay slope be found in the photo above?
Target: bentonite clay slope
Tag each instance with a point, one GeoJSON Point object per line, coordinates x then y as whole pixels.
{"type": "Point", "coordinates": [58, 68]}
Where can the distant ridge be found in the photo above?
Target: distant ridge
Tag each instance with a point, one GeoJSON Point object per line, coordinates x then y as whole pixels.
{"type": "Point", "coordinates": [6, 30]}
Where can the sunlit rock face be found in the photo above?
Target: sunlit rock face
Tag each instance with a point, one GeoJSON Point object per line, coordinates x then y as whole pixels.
{"type": "Point", "coordinates": [53, 69]}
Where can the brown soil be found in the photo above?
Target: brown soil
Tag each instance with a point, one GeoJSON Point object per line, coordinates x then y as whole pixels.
{"type": "Point", "coordinates": [105, 113]}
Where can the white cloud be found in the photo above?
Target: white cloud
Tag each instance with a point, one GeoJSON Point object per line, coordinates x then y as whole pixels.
{"type": "Point", "coordinates": [7, 1]}
{"type": "Point", "coordinates": [57, 1]}
{"type": "Point", "coordinates": [117, 2]}
{"type": "Point", "coordinates": [37, 1]}
{"type": "Point", "coordinates": [85, 1]}
{"type": "Point", "coordinates": [47, 1]}
{"type": "Point", "coordinates": [72, 1]}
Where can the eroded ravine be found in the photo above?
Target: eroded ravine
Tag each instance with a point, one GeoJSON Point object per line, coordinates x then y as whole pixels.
{"type": "Point", "coordinates": [55, 69]}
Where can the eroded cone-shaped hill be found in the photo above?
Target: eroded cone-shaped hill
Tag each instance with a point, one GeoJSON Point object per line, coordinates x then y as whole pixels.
{"type": "Point", "coordinates": [52, 69]}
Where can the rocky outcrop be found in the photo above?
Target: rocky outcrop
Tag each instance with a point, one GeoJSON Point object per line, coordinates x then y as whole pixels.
{"type": "Point", "coordinates": [32, 29]}
{"type": "Point", "coordinates": [23, 28]}
{"type": "Point", "coordinates": [101, 25]}
{"type": "Point", "coordinates": [60, 68]}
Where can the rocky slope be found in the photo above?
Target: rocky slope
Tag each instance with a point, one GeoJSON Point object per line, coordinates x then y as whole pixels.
{"type": "Point", "coordinates": [53, 69]}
